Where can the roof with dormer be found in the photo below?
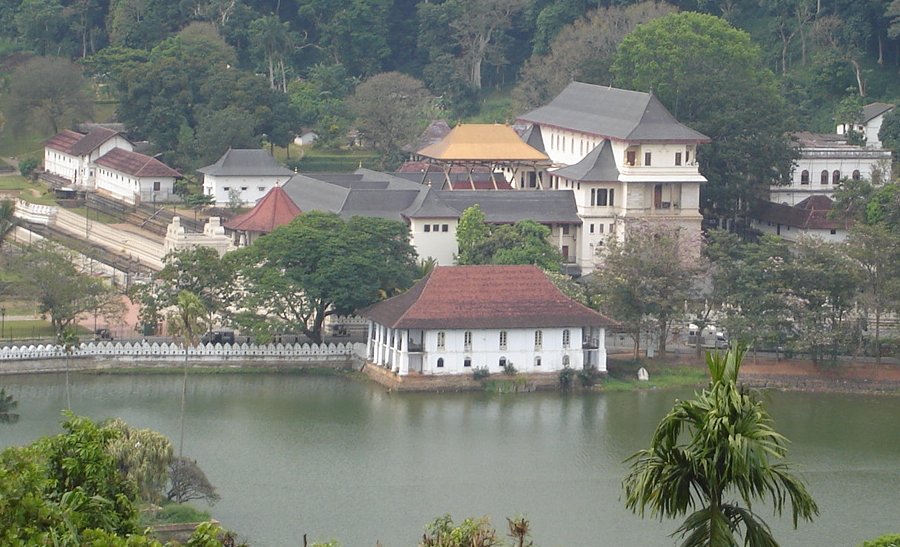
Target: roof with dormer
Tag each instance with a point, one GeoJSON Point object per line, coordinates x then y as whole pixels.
{"type": "Point", "coordinates": [135, 164]}
{"type": "Point", "coordinates": [479, 297]}
{"type": "Point", "coordinates": [613, 113]}
{"type": "Point", "coordinates": [275, 209]}
{"type": "Point", "coordinates": [482, 142]}
{"type": "Point", "coordinates": [236, 162]}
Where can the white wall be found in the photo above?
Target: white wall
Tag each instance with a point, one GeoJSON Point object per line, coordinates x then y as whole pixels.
{"type": "Point", "coordinates": [251, 188]}
{"type": "Point", "coordinates": [131, 189]}
{"type": "Point", "coordinates": [485, 351]}
{"type": "Point", "coordinates": [789, 233]}
{"type": "Point", "coordinates": [60, 163]}
{"type": "Point", "coordinates": [866, 161]}
{"type": "Point", "coordinates": [436, 244]}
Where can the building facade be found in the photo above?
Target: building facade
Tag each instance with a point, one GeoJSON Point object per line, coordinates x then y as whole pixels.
{"type": "Point", "coordinates": [72, 155]}
{"type": "Point", "coordinates": [246, 174]}
{"type": "Point", "coordinates": [133, 177]}
{"type": "Point", "coordinates": [461, 318]}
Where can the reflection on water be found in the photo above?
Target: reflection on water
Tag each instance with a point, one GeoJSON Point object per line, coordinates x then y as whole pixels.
{"type": "Point", "coordinates": [341, 459]}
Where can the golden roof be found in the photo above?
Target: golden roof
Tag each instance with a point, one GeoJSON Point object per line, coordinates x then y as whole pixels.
{"type": "Point", "coordinates": [482, 142]}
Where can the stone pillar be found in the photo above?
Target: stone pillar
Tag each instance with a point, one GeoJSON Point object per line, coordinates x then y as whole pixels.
{"type": "Point", "coordinates": [601, 350]}
{"type": "Point", "coordinates": [369, 348]}
{"type": "Point", "coordinates": [377, 345]}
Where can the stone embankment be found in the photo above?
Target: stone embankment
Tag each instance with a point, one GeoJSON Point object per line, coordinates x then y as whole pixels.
{"type": "Point", "coordinates": [465, 382]}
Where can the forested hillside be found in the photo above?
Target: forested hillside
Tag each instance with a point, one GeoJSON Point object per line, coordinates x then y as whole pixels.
{"type": "Point", "coordinates": [193, 76]}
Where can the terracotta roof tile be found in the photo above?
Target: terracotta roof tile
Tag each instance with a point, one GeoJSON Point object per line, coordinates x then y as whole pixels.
{"type": "Point", "coordinates": [135, 164]}
{"type": "Point", "coordinates": [63, 141]}
{"type": "Point", "coordinates": [484, 297]}
{"type": "Point", "coordinates": [275, 209]}
{"type": "Point", "coordinates": [809, 214]}
{"type": "Point", "coordinates": [90, 142]}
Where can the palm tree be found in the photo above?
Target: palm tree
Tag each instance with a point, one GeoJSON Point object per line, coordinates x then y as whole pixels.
{"type": "Point", "coordinates": [69, 341]}
{"type": "Point", "coordinates": [186, 322]}
{"type": "Point", "coordinates": [7, 404]}
{"type": "Point", "coordinates": [710, 450]}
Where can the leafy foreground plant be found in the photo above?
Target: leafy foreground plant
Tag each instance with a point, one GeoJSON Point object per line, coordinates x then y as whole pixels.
{"type": "Point", "coordinates": [712, 448]}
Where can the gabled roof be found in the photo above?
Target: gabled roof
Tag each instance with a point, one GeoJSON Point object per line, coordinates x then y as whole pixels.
{"type": "Point", "coordinates": [135, 164]}
{"type": "Point", "coordinates": [79, 144]}
{"type": "Point", "coordinates": [809, 214]}
{"type": "Point", "coordinates": [246, 162]}
{"type": "Point", "coordinates": [614, 113]}
{"type": "Point", "coordinates": [90, 142]}
{"type": "Point", "coordinates": [478, 297]}
{"type": "Point", "coordinates": [482, 142]}
{"type": "Point", "coordinates": [874, 110]}
{"type": "Point", "coordinates": [598, 166]}
{"type": "Point", "coordinates": [531, 134]}
{"type": "Point", "coordinates": [63, 141]}
{"type": "Point", "coordinates": [275, 209]}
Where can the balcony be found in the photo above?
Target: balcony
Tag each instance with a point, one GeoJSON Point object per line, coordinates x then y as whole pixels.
{"type": "Point", "coordinates": [415, 347]}
{"type": "Point", "coordinates": [590, 343]}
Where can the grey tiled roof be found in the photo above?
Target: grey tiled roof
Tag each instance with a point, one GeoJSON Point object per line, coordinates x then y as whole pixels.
{"type": "Point", "coordinates": [350, 196]}
{"type": "Point", "coordinates": [246, 162]}
{"type": "Point", "coordinates": [610, 112]}
{"type": "Point", "coordinates": [874, 110]}
{"type": "Point", "coordinates": [543, 206]}
{"type": "Point", "coordinates": [598, 166]}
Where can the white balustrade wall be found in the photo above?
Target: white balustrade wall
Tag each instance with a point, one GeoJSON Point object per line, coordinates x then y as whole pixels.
{"type": "Point", "coordinates": [146, 351]}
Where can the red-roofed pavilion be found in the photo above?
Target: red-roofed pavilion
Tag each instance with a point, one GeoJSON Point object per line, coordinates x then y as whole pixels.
{"type": "Point", "coordinates": [275, 209]}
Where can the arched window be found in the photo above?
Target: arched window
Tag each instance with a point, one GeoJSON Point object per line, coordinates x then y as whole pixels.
{"type": "Point", "coordinates": [440, 362]}
{"type": "Point", "coordinates": [804, 177]}
{"type": "Point", "coordinates": [467, 362]}
{"type": "Point", "coordinates": [537, 360]}
{"type": "Point", "coordinates": [856, 175]}
{"type": "Point", "coordinates": [565, 360]}
{"type": "Point", "coordinates": [824, 177]}
{"type": "Point", "coordinates": [836, 177]}
{"type": "Point", "coordinates": [503, 361]}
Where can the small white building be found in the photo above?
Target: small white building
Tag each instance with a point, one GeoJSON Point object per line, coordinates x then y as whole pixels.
{"type": "Point", "coordinates": [824, 160]}
{"type": "Point", "coordinates": [459, 318]}
{"type": "Point", "coordinates": [251, 173]}
{"type": "Point", "coordinates": [872, 116]}
{"type": "Point", "coordinates": [72, 155]}
{"type": "Point", "coordinates": [134, 177]}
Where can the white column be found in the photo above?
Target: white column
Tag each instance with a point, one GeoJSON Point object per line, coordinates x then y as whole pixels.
{"type": "Point", "coordinates": [369, 348]}
{"type": "Point", "coordinates": [601, 350]}
{"type": "Point", "coordinates": [378, 335]}
{"type": "Point", "coordinates": [404, 353]}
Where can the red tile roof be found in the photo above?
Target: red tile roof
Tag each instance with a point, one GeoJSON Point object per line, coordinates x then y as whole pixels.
{"type": "Point", "coordinates": [135, 164]}
{"type": "Point", "coordinates": [63, 141]}
{"type": "Point", "coordinates": [79, 144]}
{"type": "Point", "coordinates": [484, 297]}
{"type": "Point", "coordinates": [275, 209]}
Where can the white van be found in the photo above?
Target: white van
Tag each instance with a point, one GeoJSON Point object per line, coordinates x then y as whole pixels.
{"type": "Point", "coordinates": [710, 337]}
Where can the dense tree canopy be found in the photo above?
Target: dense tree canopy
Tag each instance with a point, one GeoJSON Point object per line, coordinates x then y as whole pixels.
{"type": "Point", "coordinates": [525, 242]}
{"type": "Point", "coordinates": [48, 93]}
{"type": "Point", "coordinates": [319, 265]}
{"type": "Point", "coordinates": [710, 76]}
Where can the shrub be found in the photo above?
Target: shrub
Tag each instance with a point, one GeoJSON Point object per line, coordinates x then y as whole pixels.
{"type": "Point", "coordinates": [890, 540]}
{"type": "Point", "coordinates": [176, 513]}
{"type": "Point", "coordinates": [27, 166]}
{"type": "Point", "coordinates": [480, 373]}
{"type": "Point", "coordinates": [566, 376]}
{"type": "Point", "coordinates": [510, 370]}
{"type": "Point", "coordinates": [588, 377]}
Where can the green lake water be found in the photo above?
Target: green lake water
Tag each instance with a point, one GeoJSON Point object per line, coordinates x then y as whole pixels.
{"type": "Point", "coordinates": [342, 459]}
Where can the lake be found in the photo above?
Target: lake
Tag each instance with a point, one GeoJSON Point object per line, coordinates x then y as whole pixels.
{"type": "Point", "coordinates": [343, 459]}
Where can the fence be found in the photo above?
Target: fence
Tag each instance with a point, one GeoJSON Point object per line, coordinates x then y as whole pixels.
{"type": "Point", "coordinates": [146, 351]}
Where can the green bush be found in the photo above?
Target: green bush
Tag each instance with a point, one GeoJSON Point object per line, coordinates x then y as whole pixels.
{"type": "Point", "coordinates": [566, 376]}
{"type": "Point", "coordinates": [588, 377]}
{"type": "Point", "coordinates": [510, 370]}
{"type": "Point", "coordinates": [27, 166]}
{"type": "Point", "coordinates": [889, 540]}
{"type": "Point", "coordinates": [480, 373]}
{"type": "Point", "coordinates": [176, 513]}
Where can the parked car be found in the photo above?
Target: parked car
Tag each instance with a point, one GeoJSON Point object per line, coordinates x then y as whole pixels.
{"type": "Point", "coordinates": [218, 337]}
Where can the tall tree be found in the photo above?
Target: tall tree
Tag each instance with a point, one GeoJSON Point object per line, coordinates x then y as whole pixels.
{"type": "Point", "coordinates": [583, 51]}
{"type": "Point", "coordinates": [62, 291]}
{"type": "Point", "coordinates": [320, 265]}
{"type": "Point", "coordinates": [142, 455]}
{"type": "Point", "coordinates": [389, 108]}
{"type": "Point", "coordinates": [719, 445]}
{"type": "Point", "coordinates": [272, 37]}
{"type": "Point", "coordinates": [726, 94]}
{"type": "Point", "coordinates": [525, 242]}
{"type": "Point", "coordinates": [645, 280]}
{"type": "Point", "coordinates": [48, 93]}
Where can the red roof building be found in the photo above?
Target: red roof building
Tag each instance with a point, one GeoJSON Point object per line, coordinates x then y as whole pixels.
{"type": "Point", "coordinates": [810, 217]}
{"type": "Point", "coordinates": [134, 177]}
{"type": "Point", "coordinates": [275, 209]}
{"type": "Point", "coordinates": [462, 317]}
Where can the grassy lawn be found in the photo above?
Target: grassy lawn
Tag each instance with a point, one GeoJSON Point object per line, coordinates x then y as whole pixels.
{"type": "Point", "coordinates": [623, 375]}
{"type": "Point", "coordinates": [33, 329]}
